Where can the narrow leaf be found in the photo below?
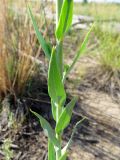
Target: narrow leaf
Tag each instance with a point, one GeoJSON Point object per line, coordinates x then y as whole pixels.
{"type": "Point", "coordinates": [65, 19]}
{"type": "Point", "coordinates": [79, 52]}
{"type": "Point", "coordinates": [64, 150]}
{"type": "Point", "coordinates": [51, 151]}
{"type": "Point", "coordinates": [65, 117]}
{"type": "Point", "coordinates": [64, 156]}
{"type": "Point", "coordinates": [45, 46]}
{"type": "Point", "coordinates": [55, 85]}
{"type": "Point", "coordinates": [47, 129]}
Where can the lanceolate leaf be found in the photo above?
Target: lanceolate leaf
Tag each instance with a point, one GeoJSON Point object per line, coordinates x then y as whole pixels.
{"type": "Point", "coordinates": [45, 46]}
{"type": "Point", "coordinates": [79, 52]}
{"type": "Point", "coordinates": [47, 129]}
{"type": "Point", "coordinates": [51, 151]}
{"type": "Point", "coordinates": [55, 85]}
{"type": "Point", "coordinates": [65, 117]}
{"type": "Point", "coordinates": [65, 19]}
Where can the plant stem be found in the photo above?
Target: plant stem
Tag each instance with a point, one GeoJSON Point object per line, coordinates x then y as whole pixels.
{"type": "Point", "coordinates": [58, 151]}
{"type": "Point", "coordinates": [58, 136]}
{"type": "Point", "coordinates": [59, 43]}
{"type": "Point", "coordinates": [60, 66]}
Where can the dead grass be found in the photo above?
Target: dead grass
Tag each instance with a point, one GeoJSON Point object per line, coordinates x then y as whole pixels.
{"type": "Point", "coordinates": [19, 50]}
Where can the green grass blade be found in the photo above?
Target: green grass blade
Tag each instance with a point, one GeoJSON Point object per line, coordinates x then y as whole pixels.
{"type": "Point", "coordinates": [51, 151]}
{"type": "Point", "coordinates": [45, 46]}
{"type": "Point", "coordinates": [65, 19]}
{"type": "Point", "coordinates": [47, 129]}
{"type": "Point", "coordinates": [79, 52]}
{"type": "Point", "coordinates": [55, 85]}
{"type": "Point", "coordinates": [64, 156]}
{"type": "Point", "coordinates": [65, 117]}
{"type": "Point", "coordinates": [64, 150]}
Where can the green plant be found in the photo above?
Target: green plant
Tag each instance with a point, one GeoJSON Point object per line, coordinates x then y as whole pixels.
{"type": "Point", "coordinates": [6, 149]}
{"type": "Point", "coordinates": [108, 49]}
{"type": "Point", "coordinates": [57, 74]}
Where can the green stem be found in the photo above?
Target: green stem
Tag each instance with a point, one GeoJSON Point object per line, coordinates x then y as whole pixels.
{"type": "Point", "coordinates": [58, 151]}
{"type": "Point", "coordinates": [58, 136]}
{"type": "Point", "coordinates": [59, 44]}
{"type": "Point", "coordinates": [59, 60]}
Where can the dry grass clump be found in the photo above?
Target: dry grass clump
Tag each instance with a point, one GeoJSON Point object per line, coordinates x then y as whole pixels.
{"type": "Point", "coordinates": [19, 50]}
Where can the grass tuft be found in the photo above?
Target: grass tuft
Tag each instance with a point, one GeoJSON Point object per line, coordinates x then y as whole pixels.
{"type": "Point", "coordinates": [19, 49]}
{"type": "Point", "coordinates": [108, 49]}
